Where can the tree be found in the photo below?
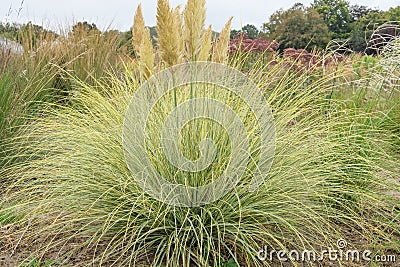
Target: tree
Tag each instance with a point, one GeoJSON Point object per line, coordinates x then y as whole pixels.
{"type": "Point", "coordinates": [363, 28]}
{"type": "Point", "coordinates": [298, 27]}
{"type": "Point", "coordinates": [9, 31]}
{"type": "Point", "coordinates": [336, 14]}
{"type": "Point", "coordinates": [369, 23]}
{"type": "Point", "coordinates": [393, 14]}
{"type": "Point", "coordinates": [250, 30]}
{"type": "Point", "coordinates": [30, 35]}
{"type": "Point", "coordinates": [83, 28]}
{"type": "Point", "coordinates": [357, 12]}
{"type": "Point", "coordinates": [153, 34]}
{"type": "Point", "coordinates": [234, 33]}
{"type": "Point", "coordinates": [275, 19]}
{"type": "Point", "coordinates": [387, 32]}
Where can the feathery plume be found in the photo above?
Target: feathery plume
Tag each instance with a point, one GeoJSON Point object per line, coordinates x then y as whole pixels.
{"type": "Point", "coordinates": [146, 54]}
{"type": "Point", "coordinates": [142, 44]}
{"type": "Point", "coordinates": [220, 54]}
{"type": "Point", "coordinates": [179, 38]}
{"type": "Point", "coordinates": [138, 29]}
{"type": "Point", "coordinates": [206, 45]}
{"type": "Point", "coordinates": [194, 17]}
{"type": "Point", "coordinates": [169, 29]}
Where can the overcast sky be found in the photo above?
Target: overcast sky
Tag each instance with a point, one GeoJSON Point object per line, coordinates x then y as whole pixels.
{"type": "Point", "coordinates": [118, 14]}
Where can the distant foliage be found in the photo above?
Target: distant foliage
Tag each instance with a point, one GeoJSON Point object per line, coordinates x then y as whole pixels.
{"type": "Point", "coordinates": [351, 25]}
{"type": "Point", "coordinates": [363, 28]}
{"type": "Point", "coordinates": [336, 14]}
{"type": "Point", "coordinates": [9, 30]}
{"type": "Point", "coordinates": [357, 12]}
{"type": "Point", "coordinates": [30, 35]}
{"type": "Point", "coordinates": [369, 32]}
{"type": "Point", "coordinates": [84, 27]}
{"type": "Point", "coordinates": [304, 60]}
{"type": "Point", "coordinates": [298, 27]}
{"type": "Point", "coordinates": [382, 36]}
{"type": "Point", "coordinates": [251, 31]}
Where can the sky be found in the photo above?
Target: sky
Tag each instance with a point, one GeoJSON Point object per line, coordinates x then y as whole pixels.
{"type": "Point", "coordinates": [118, 14]}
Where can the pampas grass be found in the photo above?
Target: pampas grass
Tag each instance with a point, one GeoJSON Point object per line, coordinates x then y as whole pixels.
{"type": "Point", "coordinates": [75, 184]}
{"type": "Point", "coordinates": [220, 53]}
{"type": "Point", "coordinates": [169, 29]}
{"type": "Point", "coordinates": [194, 16]}
{"type": "Point", "coordinates": [206, 45]}
{"type": "Point", "coordinates": [332, 175]}
{"type": "Point", "coordinates": [138, 29]}
{"type": "Point", "coordinates": [181, 36]}
{"type": "Point", "coordinates": [142, 44]}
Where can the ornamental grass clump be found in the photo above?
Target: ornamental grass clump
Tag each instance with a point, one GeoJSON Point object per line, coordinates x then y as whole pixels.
{"type": "Point", "coordinates": [73, 184]}
{"type": "Point", "coordinates": [376, 89]}
{"type": "Point", "coordinates": [330, 176]}
{"type": "Point", "coordinates": [46, 72]}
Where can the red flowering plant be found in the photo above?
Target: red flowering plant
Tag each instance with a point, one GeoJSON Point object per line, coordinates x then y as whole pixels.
{"type": "Point", "coordinates": [241, 42]}
{"type": "Point", "coordinates": [254, 49]}
{"type": "Point", "coordinates": [301, 59]}
{"type": "Point", "coordinates": [266, 52]}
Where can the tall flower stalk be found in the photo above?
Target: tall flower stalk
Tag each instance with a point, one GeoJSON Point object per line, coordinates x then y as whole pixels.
{"type": "Point", "coordinates": [181, 37]}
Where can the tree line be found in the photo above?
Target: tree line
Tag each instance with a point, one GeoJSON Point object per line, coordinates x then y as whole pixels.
{"type": "Point", "coordinates": [315, 26]}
